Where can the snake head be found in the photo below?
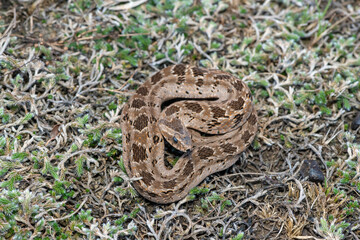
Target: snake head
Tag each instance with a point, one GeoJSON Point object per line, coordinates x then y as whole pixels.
{"type": "Point", "coordinates": [175, 133]}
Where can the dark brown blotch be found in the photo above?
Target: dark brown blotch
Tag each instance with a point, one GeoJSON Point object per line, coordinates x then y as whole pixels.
{"type": "Point", "coordinates": [175, 124]}
{"type": "Point", "coordinates": [169, 184]}
{"type": "Point", "coordinates": [237, 105]}
{"type": "Point", "coordinates": [179, 69]}
{"type": "Point", "coordinates": [252, 119]}
{"type": "Point", "coordinates": [141, 122]}
{"type": "Point", "coordinates": [147, 177]}
{"type": "Point", "coordinates": [228, 148]}
{"type": "Point", "coordinates": [156, 78]}
{"type": "Point", "coordinates": [222, 77]}
{"type": "Point", "coordinates": [142, 91]}
{"type": "Point", "coordinates": [195, 107]}
{"type": "Point", "coordinates": [138, 153]}
{"type": "Point", "coordinates": [246, 136]}
{"type": "Point", "coordinates": [198, 71]}
{"type": "Point", "coordinates": [171, 110]}
{"type": "Point", "coordinates": [238, 84]}
{"type": "Point", "coordinates": [138, 103]}
{"type": "Point", "coordinates": [218, 112]}
{"type": "Point", "coordinates": [205, 152]}
{"type": "Point", "coordinates": [188, 168]}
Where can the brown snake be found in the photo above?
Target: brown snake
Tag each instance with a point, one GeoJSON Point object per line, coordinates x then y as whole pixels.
{"type": "Point", "coordinates": [207, 114]}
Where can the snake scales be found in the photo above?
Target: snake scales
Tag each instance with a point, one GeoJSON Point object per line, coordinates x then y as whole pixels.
{"type": "Point", "coordinates": [207, 114]}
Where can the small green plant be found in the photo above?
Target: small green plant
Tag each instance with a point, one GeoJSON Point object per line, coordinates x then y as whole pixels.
{"type": "Point", "coordinates": [83, 120]}
{"type": "Point", "coordinates": [79, 165]}
{"type": "Point", "coordinates": [50, 169]}
{"type": "Point", "coordinates": [46, 52]}
{"type": "Point", "coordinates": [197, 191]}
{"type": "Point", "coordinates": [10, 206]}
{"type": "Point", "coordinates": [332, 230]}
{"type": "Point", "coordinates": [4, 117]}
{"type": "Point", "coordinates": [321, 15]}
{"type": "Point", "coordinates": [239, 236]}
{"type": "Point", "coordinates": [26, 118]}
{"type": "Point", "coordinates": [213, 200]}
{"type": "Point", "coordinates": [13, 178]}
{"type": "Point", "coordinates": [62, 189]}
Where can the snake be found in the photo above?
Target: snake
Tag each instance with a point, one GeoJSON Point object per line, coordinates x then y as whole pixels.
{"type": "Point", "coordinates": [206, 115]}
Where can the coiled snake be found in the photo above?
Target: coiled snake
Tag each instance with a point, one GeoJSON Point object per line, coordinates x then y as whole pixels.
{"type": "Point", "coordinates": [207, 114]}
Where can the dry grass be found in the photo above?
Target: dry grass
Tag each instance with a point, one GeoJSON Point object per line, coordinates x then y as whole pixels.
{"type": "Point", "coordinates": [67, 67]}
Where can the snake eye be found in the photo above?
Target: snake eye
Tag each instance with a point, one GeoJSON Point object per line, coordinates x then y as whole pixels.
{"type": "Point", "coordinates": [175, 139]}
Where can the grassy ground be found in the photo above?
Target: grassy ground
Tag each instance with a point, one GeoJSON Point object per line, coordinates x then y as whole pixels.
{"type": "Point", "coordinates": [67, 67]}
